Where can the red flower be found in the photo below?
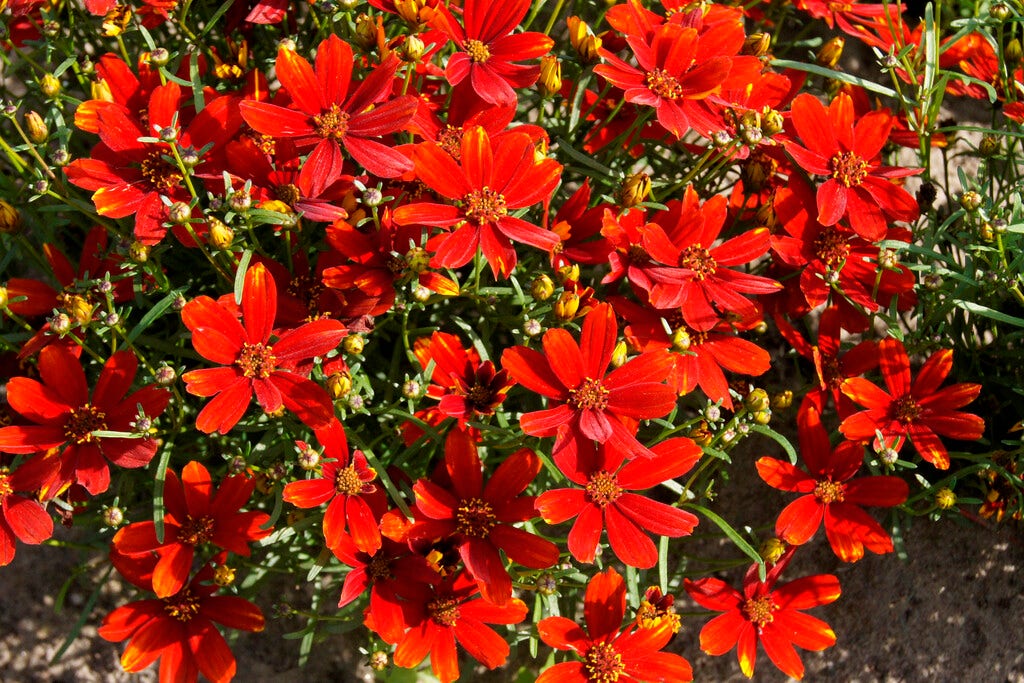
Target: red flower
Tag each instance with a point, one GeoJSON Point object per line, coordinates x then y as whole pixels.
{"type": "Point", "coordinates": [607, 653]}
{"type": "Point", "coordinates": [21, 518]}
{"type": "Point", "coordinates": [768, 614]}
{"type": "Point", "coordinates": [488, 49]}
{"type": "Point", "coordinates": [833, 495]}
{"type": "Point", "coordinates": [493, 179]}
{"type": "Point", "coordinates": [465, 386]}
{"type": "Point", "coordinates": [179, 630]}
{"type": "Point", "coordinates": [254, 365]}
{"type": "Point", "coordinates": [65, 414]}
{"type": "Point", "coordinates": [604, 499]}
{"type": "Point", "coordinates": [479, 518]}
{"type": "Point", "coordinates": [326, 115]}
{"type": "Point", "coordinates": [858, 186]}
{"type": "Point", "coordinates": [345, 482]}
{"type": "Point", "coordinates": [919, 411]}
{"type": "Point", "coordinates": [584, 402]}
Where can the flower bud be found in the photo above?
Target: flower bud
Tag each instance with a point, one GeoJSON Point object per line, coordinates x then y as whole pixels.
{"type": "Point", "coordinates": [550, 81]}
{"type": "Point", "coordinates": [112, 516]}
{"type": "Point", "coordinates": [620, 354]}
{"type": "Point", "coordinates": [971, 201]}
{"type": "Point", "coordinates": [772, 550]}
{"type": "Point", "coordinates": [79, 308]}
{"type": "Point", "coordinates": [309, 459]}
{"type": "Point", "coordinates": [353, 344]}
{"type": "Point", "coordinates": [542, 288]}
{"type": "Point", "coordinates": [589, 49]}
{"type": "Point", "coordinates": [546, 584]}
{"type": "Point", "coordinates": [3, 297]}
{"type": "Point", "coordinates": [49, 85]}
{"type": "Point", "coordinates": [411, 389]}
{"type": "Point", "coordinates": [700, 433]}
{"type": "Point", "coordinates": [1013, 52]}
{"type": "Point", "coordinates": [100, 90]}
{"type": "Point", "coordinates": [829, 54]}
{"type": "Point", "coordinates": [986, 233]}
{"type": "Point", "coordinates": [567, 306]}
{"type": "Point", "coordinates": [412, 49]}
{"type": "Point", "coordinates": [757, 44]}
{"type": "Point", "coordinates": [417, 260]}
{"type": "Point", "coordinates": [771, 121]}
{"type": "Point", "coordinates": [221, 234]}
{"type": "Point", "coordinates": [782, 400]}
{"type": "Point", "coordinates": [380, 659]}
{"type": "Point", "coordinates": [945, 499]}
{"type": "Point", "coordinates": [159, 57]}
{"type": "Point", "coordinates": [339, 384]}
{"type": "Point", "coordinates": [763, 417]}
{"type": "Point", "coordinates": [411, 11]}
{"type": "Point", "coordinates": [681, 340]}
{"type": "Point", "coordinates": [532, 327]}
{"type": "Point", "coordinates": [138, 252]}
{"type": "Point", "coordinates": [989, 145]}
{"type": "Point", "coordinates": [240, 201]}
{"type": "Point", "coordinates": [10, 219]}
{"type": "Point", "coordinates": [223, 575]}
{"type": "Point", "coordinates": [1000, 11]}
{"type": "Point", "coordinates": [757, 400]}
{"type": "Point", "coordinates": [570, 272]}
{"type": "Point", "coordinates": [36, 127]}
{"type": "Point", "coordinates": [367, 31]}
{"type": "Point", "coordinates": [60, 324]}
{"type": "Point", "coordinates": [166, 375]}
{"type": "Point", "coordinates": [634, 190]}
{"type": "Point", "coordinates": [421, 294]}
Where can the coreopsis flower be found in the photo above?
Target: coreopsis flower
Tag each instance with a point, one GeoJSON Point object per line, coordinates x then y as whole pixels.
{"type": "Point", "coordinates": [21, 519]}
{"type": "Point", "coordinates": [254, 365]}
{"type": "Point", "coordinates": [584, 402]}
{"type": "Point", "coordinates": [326, 116]}
{"type": "Point", "coordinates": [478, 517]}
{"type": "Point", "coordinates": [832, 494]}
{"type": "Point", "coordinates": [854, 18]}
{"type": "Point", "coordinates": [196, 514]}
{"type": "Point", "coordinates": [919, 411]}
{"type": "Point", "coordinates": [179, 629]}
{"type": "Point", "coordinates": [488, 50]}
{"type": "Point", "coordinates": [857, 185]}
{"type": "Point", "coordinates": [579, 230]}
{"type": "Point", "coordinates": [605, 499]}
{"type": "Point", "coordinates": [493, 179]}
{"type": "Point", "coordinates": [766, 613]}
{"type": "Point", "coordinates": [606, 650]}
{"type": "Point", "coordinates": [346, 481]}
{"type": "Point", "coordinates": [444, 614]}
{"type": "Point", "coordinates": [65, 414]}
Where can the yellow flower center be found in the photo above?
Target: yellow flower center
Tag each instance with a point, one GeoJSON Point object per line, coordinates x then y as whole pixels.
{"type": "Point", "coordinates": [256, 360]}
{"type": "Point", "coordinates": [699, 260]}
{"type": "Point", "coordinates": [182, 606]}
{"type": "Point", "coordinates": [663, 84]}
{"type": "Point", "coordinates": [477, 51]}
{"type": "Point", "coordinates": [161, 175]}
{"type": "Point", "coordinates": [347, 481]}
{"type": "Point", "coordinates": [760, 610]}
{"type": "Point", "coordinates": [905, 409]}
{"type": "Point", "coordinates": [485, 206]}
{"type": "Point", "coordinates": [450, 140]}
{"type": "Point", "coordinates": [332, 123]}
{"type": "Point", "coordinates": [848, 168]}
{"type": "Point", "coordinates": [829, 492]}
{"type": "Point", "coordinates": [5, 483]}
{"type": "Point", "coordinates": [590, 395]}
{"type": "Point", "coordinates": [603, 664]}
{"type": "Point", "coordinates": [444, 611]}
{"type": "Point", "coordinates": [82, 422]}
{"type": "Point", "coordinates": [603, 488]}
{"type": "Point", "coordinates": [475, 517]}
{"type": "Point", "coordinates": [196, 531]}
{"type": "Point", "coordinates": [831, 248]}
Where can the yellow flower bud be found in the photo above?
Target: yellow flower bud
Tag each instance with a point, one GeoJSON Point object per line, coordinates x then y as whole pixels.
{"type": "Point", "coordinates": [700, 433]}
{"type": "Point", "coordinates": [353, 344]}
{"type": "Point", "coordinates": [223, 575]}
{"type": "Point", "coordinates": [3, 297]}
{"type": "Point", "coordinates": [757, 44]}
{"type": "Point", "coordinates": [567, 306]}
{"type": "Point", "coordinates": [829, 54]}
{"type": "Point", "coordinates": [36, 127]}
{"type": "Point", "coordinates": [757, 400]}
{"type": "Point", "coordinates": [620, 354]}
{"type": "Point", "coordinates": [116, 21]}
{"type": "Point", "coordinates": [783, 400]}
{"type": "Point", "coordinates": [10, 219]}
{"type": "Point", "coordinates": [49, 85]}
{"type": "Point", "coordinates": [78, 308]}
{"type": "Point", "coordinates": [550, 81]}
{"type": "Point", "coordinates": [339, 384]}
{"type": "Point", "coordinates": [542, 288]}
{"type": "Point", "coordinates": [101, 90]}
{"type": "Point", "coordinates": [772, 550]}
{"type": "Point", "coordinates": [138, 252]}
{"type": "Point", "coordinates": [412, 49]}
{"type": "Point", "coordinates": [945, 499]}
{"type": "Point", "coordinates": [221, 235]}
{"type": "Point", "coordinates": [634, 190]}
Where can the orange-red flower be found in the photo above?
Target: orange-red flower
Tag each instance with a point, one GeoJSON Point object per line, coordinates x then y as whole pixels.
{"type": "Point", "coordinates": [919, 411]}
{"type": "Point", "coordinates": [254, 365]}
{"type": "Point", "coordinates": [21, 518]}
{"type": "Point", "coordinates": [466, 387]}
{"type": "Point", "coordinates": [606, 651]}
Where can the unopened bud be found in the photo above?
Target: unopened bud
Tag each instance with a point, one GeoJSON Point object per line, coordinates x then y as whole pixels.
{"type": "Point", "coordinates": [138, 252]}
{"type": "Point", "coordinates": [634, 190]}
{"type": "Point", "coordinates": [989, 145]}
{"type": "Point", "coordinates": [412, 49]}
{"type": "Point", "coordinates": [309, 459]}
{"type": "Point", "coordinates": [79, 308]}
{"type": "Point", "coordinates": [379, 660]}
{"type": "Point", "coordinates": [1013, 52]}
{"type": "Point", "coordinates": [772, 550]}
{"type": "Point", "coordinates": [417, 260]}
{"type": "Point", "coordinates": [4, 297]}
{"type": "Point", "coordinates": [101, 91]}
{"type": "Point", "coordinates": [542, 288]}
{"type": "Point", "coordinates": [700, 433]}
{"type": "Point", "coordinates": [681, 340]}
{"type": "Point", "coordinates": [60, 324]}
{"type": "Point", "coordinates": [411, 389]}
{"type": "Point", "coordinates": [223, 575]}
{"type": "Point", "coordinates": [570, 272]}
{"type": "Point", "coordinates": [159, 57]}
{"type": "Point", "coordinates": [546, 584]}
{"type": "Point", "coordinates": [10, 219]}
{"type": "Point", "coordinates": [945, 499]}
{"type": "Point", "coordinates": [339, 384]}
{"type": "Point", "coordinates": [366, 32]}
{"type": "Point", "coordinates": [757, 44]}
{"type": "Point", "coordinates": [771, 121]}
{"type": "Point", "coordinates": [49, 85]}
{"type": "Point", "coordinates": [619, 354]}
{"type": "Point", "coordinates": [1000, 11]}
{"type": "Point", "coordinates": [353, 344]}
{"type": "Point", "coordinates": [240, 201]}
{"type": "Point", "coordinates": [221, 234]}
{"type": "Point", "coordinates": [112, 516]}
{"type": "Point", "coordinates": [782, 400]}
{"type": "Point", "coordinates": [757, 400]}
{"type": "Point", "coordinates": [971, 201]}
{"type": "Point", "coordinates": [166, 375]}
{"type": "Point", "coordinates": [829, 54]}
{"type": "Point", "coordinates": [36, 127]}
{"type": "Point", "coordinates": [532, 327]}
{"type": "Point", "coordinates": [550, 81]}
{"type": "Point", "coordinates": [567, 306]}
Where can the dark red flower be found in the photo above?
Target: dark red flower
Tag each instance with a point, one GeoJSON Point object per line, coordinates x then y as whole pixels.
{"type": "Point", "coordinates": [466, 387]}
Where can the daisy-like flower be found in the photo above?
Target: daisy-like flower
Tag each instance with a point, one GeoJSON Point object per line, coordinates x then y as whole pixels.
{"type": "Point", "coordinates": [606, 651]}
{"type": "Point", "coordinates": [254, 365]}
{"type": "Point", "coordinates": [493, 179]}
{"type": "Point", "coordinates": [22, 519]}
{"type": "Point", "coordinates": [857, 185]}
{"type": "Point", "coordinates": [919, 411]}
{"type": "Point", "coordinates": [768, 614]}
{"type": "Point", "coordinates": [605, 499]}
{"type": "Point", "coordinates": [832, 495]}
{"type": "Point", "coordinates": [584, 402]}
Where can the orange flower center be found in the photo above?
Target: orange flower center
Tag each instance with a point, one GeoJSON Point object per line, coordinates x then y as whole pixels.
{"type": "Point", "coordinates": [477, 51]}
{"type": "Point", "coordinates": [5, 483]}
{"type": "Point", "coordinates": [905, 409]}
{"type": "Point", "coordinates": [289, 194]}
{"type": "Point", "coordinates": [450, 140]}
{"type": "Point", "coordinates": [196, 531]}
{"type": "Point", "coordinates": [590, 395]}
{"type": "Point", "coordinates": [83, 422]}
{"type": "Point", "coordinates": [603, 663]}
{"type": "Point", "coordinates": [760, 610]}
{"type": "Point", "coordinates": [256, 360]}
{"type": "Point", "coordinates": [444, 611]}
{"type": "Point", "coordinates": [699, 260]}
{"type": "Point", "coordinates": [485, 206]}
{"type": "Point", "coordinates": [347, 481]}
{"type": "Point", "coordinates": [829, 492]}
{"type": "Point", "coordinates": [182, 606]}
{"type": "Point", "coordinates": [474, 517]}
{"type": "Point", "coordinates": [831, 248]}
{"type": "Point", "coordinates": [332, 123]}
{"type": "Point", "coordinates": [663, 84]}
{"type": "Point", "coordinates": [159, 173]}
{"type": "Point", "coordinates": [603, 488]}
{"type": "Point", "coordinates": [848, 168]}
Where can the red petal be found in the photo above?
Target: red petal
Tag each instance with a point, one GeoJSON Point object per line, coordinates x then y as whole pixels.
{"type": "Point", "coordinates": [604, 604]}
{"type": "Point", "coordinates": [799, 520]}
{"type": "Point", "coordinates": [629, 543]}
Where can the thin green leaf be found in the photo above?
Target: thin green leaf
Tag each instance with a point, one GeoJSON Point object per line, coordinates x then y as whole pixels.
{"type": "Point", "coordinates": [243, 265]}
{"type": "Point", "coordinates": [151, 315]}
{"type": "Point", "coordinates": [734, 536]}
{"type": "Point", "coordinates": [777, 438]}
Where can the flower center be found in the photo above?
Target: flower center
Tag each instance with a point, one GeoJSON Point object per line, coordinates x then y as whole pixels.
{"type": "Point", "coordinates": [699, 260]}
{"type": "Point", "coordinates": [379, 568]}
{"type": "Point", "coordinates": [829, 492]}
{"type": "Point", "coordinates": [905, 409]}
{"type": "Point", "coordinates": [82, 422]}
{"type": "Point", "coordinates": [450, 140]}
{"type": "Point", "coordinates": [603, 663]}
{"type": "Point", "coordinates": [256, 360]}
{"type": "Point", "coordinates": [182, 606]}
{"type": "Point", "coordinates": [485, 206]}
{"type": "Point", "coordinates": [196, 531]}
{"type": "Point", "coordinates": [5, 483]}
{"type": "Point", "coordinates": [477, 51]}
{"type": "Point", "coordinates": [332, 123]}
{"type": "Point", "coordinates": [159, 173]}
{"type": "Point", "coordinates": [831, 374]}
{"type": "Point", "coordinates": [663, 84]}
{"type": "Point", "coordinates": [475, 518]}
{"type": "Point", "coordinates": [309, 289]}
{"type": "Point", "coordinates": [289, 194]}
{"type": "Point", "coordinates": [760, 610]}
{"type": "Point", "coordinates": [831, 248]}
{"type": "Point", "coordinates": [347, 481]}
{"type": "Point", "coordinates": [603, 488]}
{"type": "Point", "coordinates": [590, 395]}
{"type": "Point", "coordinates": [848, 168]}
{"type": "Point", "coordinates": [480, 397]}
{"type": "Point", "coordinates": [444, 611]}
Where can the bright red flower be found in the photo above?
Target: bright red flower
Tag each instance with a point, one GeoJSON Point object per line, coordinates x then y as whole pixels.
{"type": "Point", "coordinates": [479, 518]}
{"type": "Point", "coordinates": [254, 366]}
{"type": "Point", "coordinates": [833, 495]}
{"type": "Point", "coordinates": [327, 115]}
{"type": "Point", "coordinates": [345, 481]}
{"type": "Point", "coordinates": [854, 17]}
{"type": "Point", "coordinates": [606, 651]}
{"type": "Point", "coordinates": [21, 518]}
{"type": "Point", "coordinates": [768, 614]}
{"type": "Point", "coordinates": [65, 414]}
{"type": "Point", "coordinates": [493, 179]}
{"type": "Point", "coordinates": [584, 403]}
{"type": "Point", "coordinates": [196, 514]}
{"type": "Point", "coordinates": [604, 499]}
{"type": "Point", "coordinates": [179, 630]}
{"type": "Point", "coordinates": [488, 49]}
{"type": "Point", "coordinates": [858, 186]}
{"type": "Point", "coordinates": [919, 411]}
